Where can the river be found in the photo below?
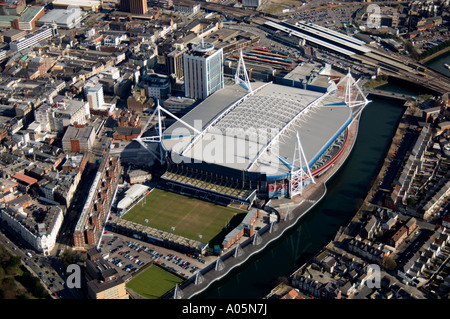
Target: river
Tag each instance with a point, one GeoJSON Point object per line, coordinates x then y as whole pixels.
{"type": "Point", "coordinates": [438, 64]}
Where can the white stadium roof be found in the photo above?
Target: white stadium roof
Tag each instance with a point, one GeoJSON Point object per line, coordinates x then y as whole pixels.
{"type": "Point", "coordinates": [257, 132]}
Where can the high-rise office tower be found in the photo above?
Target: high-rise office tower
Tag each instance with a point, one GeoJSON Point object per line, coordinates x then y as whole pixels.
{"type": "Point", "coordinates": [203, 70]}
{"type": "Point", "coordinates": [94, 96]}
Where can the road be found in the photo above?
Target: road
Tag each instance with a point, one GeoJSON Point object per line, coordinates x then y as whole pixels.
{"type": "Point", "coordinates": [48, 269]}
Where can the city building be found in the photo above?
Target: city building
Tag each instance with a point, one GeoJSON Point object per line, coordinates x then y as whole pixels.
{"type": "Point", "coordinates": [94, 96]}
{"type": "Point", "coordinates": [174, 61]}
{"type": "Point", "coordinates": [103, 281]}
{"type": "Point", "coordinates": [12, 7]}
{"type": "Point", "coordinates": [138, 176]}
{"type": "Point", "coordinates": [251, 3]}
{"type": "Point", "coordinates": [28, 20]}
{"type": "Point", "coordinates": [78, 140]}
{"type": "Point", "coordinates": [186, 7]}
{"type": "Point", "coordinates": [166, 4]}
{"type": "Point", "coordinates": [13, 35]}
{"type": "Point", "coordinates": [36, 224]}
{"type": "Point", "coordinates": [86, 5]}
{"type": "Point", "coordinates": [245, 228]}
{"type": "Point", "coordinates": [203, 70]}
{"type": "Point", "coordinates": [63, 18]}
{"type": "Point", "coordinates": [33, 38]}
{"type": "Point", "coordinates": [134, 6]}
{"type": "Point", "coordinates": [178, 104]}
{"type": "Point", "coordinates": [63, 112]}
{"type": "Point", "coordinates": [89, 225]}
{"type": "Point", "coordinates": [139, 101]}
{"type": "Point", "coordinates": [158, 85]}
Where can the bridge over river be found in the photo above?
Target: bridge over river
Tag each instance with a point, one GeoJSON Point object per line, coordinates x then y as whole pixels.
{"type": "Point", "coordinates": [387, 95]}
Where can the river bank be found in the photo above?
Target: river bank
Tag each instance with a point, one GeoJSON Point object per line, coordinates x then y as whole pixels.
{"type": "Point", "coordinates": [349, 230]}
{"type": "Point", "coordinates": [435, 55]}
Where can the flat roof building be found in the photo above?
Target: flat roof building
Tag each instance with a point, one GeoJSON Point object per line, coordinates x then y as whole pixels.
{"type": "Point", "coordinates": [33, 38]}
{"type": "Point", "coordinates": [105, 282]}
{"type": "Point", "coordinates": [27, 20]}
{"type": "Point", "coordinates": [78, 140]}
{"type": "Point", "coordinates": [86, 5]}
{"type": "Point", "coordinates": [64, 19]}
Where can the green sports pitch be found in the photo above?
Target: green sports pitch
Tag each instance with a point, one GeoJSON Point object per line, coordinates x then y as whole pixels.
{"type": "Point", "coordinates": [153, 282]}
{"type": "Point", "coordinates": [185, 216]}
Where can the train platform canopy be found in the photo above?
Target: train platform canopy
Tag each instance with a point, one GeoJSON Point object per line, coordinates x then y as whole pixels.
{"type": "Point", "coordinates": [256, 132]}
{"type": "Point", "coordinates": [324, 37]}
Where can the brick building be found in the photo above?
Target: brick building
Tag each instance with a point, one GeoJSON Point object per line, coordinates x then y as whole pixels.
{"type": "Point", "coordinates": [93, 215]}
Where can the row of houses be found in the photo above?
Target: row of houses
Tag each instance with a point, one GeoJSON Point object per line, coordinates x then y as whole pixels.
{"type": "Point", "coordinates": [374, 252]}
{"type": "Point", "coordinates": [410, 169]}
{"type": "Point", "coordinates": [331, 276]}
{"type": "Point", "coordinates": [394, 232]}
{"type": "Point", "coordinates": [421, 260]}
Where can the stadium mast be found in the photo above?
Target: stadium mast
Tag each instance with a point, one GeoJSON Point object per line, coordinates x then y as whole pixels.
{"type": "Point", "coordinates": [158, 138]}
{"type": "Point", "coordinates": [298, 176]}
{"type": "Point", "coordinates": [242, 71]}
{"type": "Point", "coordinates": [352, 95]}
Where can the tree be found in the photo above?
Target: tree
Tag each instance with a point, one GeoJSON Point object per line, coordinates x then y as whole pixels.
{"type": "Point", "coordinates": [411, 201]}
{"type": "Point", "coordinates": [389, 263]}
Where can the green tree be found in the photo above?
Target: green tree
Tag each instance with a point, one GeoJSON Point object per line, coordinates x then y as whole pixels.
{"type": "Point", "coordinates": [389, 263]}
{"type": "Point", "coordinates": [411, 201]}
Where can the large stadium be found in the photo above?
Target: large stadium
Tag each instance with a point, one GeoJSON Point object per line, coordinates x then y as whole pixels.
{"type": "Point", "coordinates": [258, 139]}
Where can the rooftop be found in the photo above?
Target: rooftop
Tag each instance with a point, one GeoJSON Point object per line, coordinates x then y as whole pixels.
{"type": "Point", "coordinates": [236, 118]}
{"type": "Point", "coordinates": [30, 13]}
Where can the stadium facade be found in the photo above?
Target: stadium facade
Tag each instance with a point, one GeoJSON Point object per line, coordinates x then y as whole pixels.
{"type": "Point", "coordinates": [265, 141]}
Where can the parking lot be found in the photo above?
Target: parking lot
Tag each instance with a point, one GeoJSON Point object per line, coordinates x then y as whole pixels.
{"type": "Point", "coordinates": [128, 255]}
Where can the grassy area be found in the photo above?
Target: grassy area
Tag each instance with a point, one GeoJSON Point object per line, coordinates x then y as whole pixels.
{"type": "Point", "coordinates": [189, 216]}
{"type": "Point", "coordinates": [273, 9]}
{"type": "Point", "coordinates": [153, 283]}
{"type": "Point", "coordinates": [379, 81]}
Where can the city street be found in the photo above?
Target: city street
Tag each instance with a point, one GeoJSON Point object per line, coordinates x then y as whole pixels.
{"type": "Point", "coordinates": [48, 269]}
